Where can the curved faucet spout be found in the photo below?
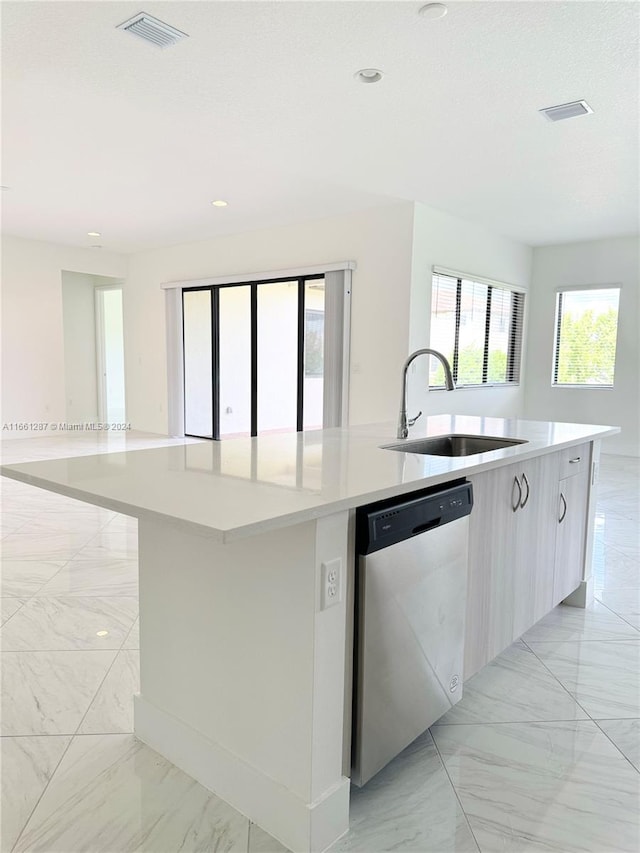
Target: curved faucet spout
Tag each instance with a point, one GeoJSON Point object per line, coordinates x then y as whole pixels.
{"type": "Point", "coordinates": [403, 425]}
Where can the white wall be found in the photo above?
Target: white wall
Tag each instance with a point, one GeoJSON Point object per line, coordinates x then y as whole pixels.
{"type": "Point", "coordinates": [379, 240]}
{"type": "Point", "coordinates": [33, 380]}
{"type": "Point", "coordinates": [446, 241]}
{"type": "Point", "coordinates": [608, 261]}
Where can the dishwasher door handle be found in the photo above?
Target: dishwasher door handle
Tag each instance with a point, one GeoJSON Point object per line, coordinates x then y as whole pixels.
{"type": "Point", "coordinates": [429, 525]}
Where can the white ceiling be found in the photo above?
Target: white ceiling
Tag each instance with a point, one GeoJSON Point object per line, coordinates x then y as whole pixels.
{"type": "Point", "coordinates": [102, 131]}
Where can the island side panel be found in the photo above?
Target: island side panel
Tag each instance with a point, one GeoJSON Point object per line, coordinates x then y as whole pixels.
{"type": "Point", "coordinates": [242, 673]}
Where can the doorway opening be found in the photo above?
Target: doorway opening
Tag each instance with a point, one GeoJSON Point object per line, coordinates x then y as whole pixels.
{"type": "Point", "coordinates": [93, 348]}
{"type": "Point", "coordinates": [110, 354]}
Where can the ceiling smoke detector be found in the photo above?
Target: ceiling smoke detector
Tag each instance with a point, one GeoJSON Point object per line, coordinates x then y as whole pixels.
{"type": "Point", "coordinates": [152, 30]}
{"type": "Point", "coordinates": [562, 111]}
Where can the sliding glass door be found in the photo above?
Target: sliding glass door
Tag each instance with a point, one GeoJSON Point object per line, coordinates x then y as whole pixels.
{"type": "Point", "coordinates": [198, 362]}
{"type": "Point", "coordinates": [254, 356]}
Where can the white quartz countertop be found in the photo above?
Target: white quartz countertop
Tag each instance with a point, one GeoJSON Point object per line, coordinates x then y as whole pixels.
{"type": "Point", "coordinates": [239, 487]}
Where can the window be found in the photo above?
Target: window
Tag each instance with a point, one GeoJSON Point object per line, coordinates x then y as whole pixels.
{"type": "Point", "coordinates": [478, 327]}
{"type": "Point", "coordinates": [585, 339]}
{"type": "Point", "coordinates": [314, 342]}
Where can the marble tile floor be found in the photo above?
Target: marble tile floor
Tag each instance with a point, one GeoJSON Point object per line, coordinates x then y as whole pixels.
{"type": "Point", "coordinates": [542, 754]}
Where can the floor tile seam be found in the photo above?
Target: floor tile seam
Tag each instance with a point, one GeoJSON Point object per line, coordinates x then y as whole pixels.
{"type": "Point", "coordinates": [626, 758]}
{"type": "Point", "coordinates": [42, 585]}
{"type": "Point", "coordinates": [555, 678]}
{"type": "Point", "coordinates": [620, 552]}
{"type": "Point", "coordinates": [615, 719]}
{"type": "Point", "coordinates": [127, 635]}
{"type": "Point", "coordinates": [581, 640]}
{"type": "Point", "coordinates": [66, 596]}
{"type": "Point", "coordinates": [47, 651]}
{"type": "Point", "coordinates": [57, 532]}
{"type": "Point", "coordinates": [511, 722]}
{"type": "Point", "coordinates": [630, 553]}
{"type": "Point", "coordinates": [53, 530]}
{"type": "Point", "coordinates": [6, 622]}
{"type": "Point", "coordinates": [101, 734]}
{"type": "Point", "coordinates": [39, 651]}
{"type": "Point", "coordinates": [620, 616]}
{"type": "Point", "coordinates": [455, 792]}
{"type": "Point", "coordinates": [93, 698]}
{"type": "Point", "coordinates": [612, 588]}
{"type": "Point", "coordinates": [598, 539]}
{"type": "Point", "coordinates": [78, 595]}
{"type": "Point", "coordinates": [13, 737]}
{"type": "Point", "coordinates": [15, 529]}
{"type": "Point", "coordinates": [26, 595]}
{"type": "Point", "coordinates": [609, 527]}
{"type": "Point", "coordinates": [542, 723]}
{"type": "Point", "coordinates": [607, 510]}
{"type": "Point", "coordinates": [42, 793]}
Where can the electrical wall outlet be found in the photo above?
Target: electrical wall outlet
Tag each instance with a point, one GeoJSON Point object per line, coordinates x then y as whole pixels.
{"type": "Point", "coordinates": [331, 592]}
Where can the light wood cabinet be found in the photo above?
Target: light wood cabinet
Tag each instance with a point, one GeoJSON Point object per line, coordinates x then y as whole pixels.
{"type": "Point", "coordinates": [571, 508]}
{"type": "Point", "coordinates": [534, 558]}
{"type": "Point", "coordinates": [523, 559]}
{"type": "Point", "coordinates": [492, 543]}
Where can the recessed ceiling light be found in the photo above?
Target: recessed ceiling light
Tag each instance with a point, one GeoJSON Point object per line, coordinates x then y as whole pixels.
{"type": "Point", "coordinates": [433, 11]}
{"type": "Point", "coordinates": [369, 75]}
{"type": "Point", "coordinates": [102, 633]}
{"type": "Point", "coordinates": [570, 110]}
{"type": "Point", "coordinates": [94, 234]}
{"type": "Point", "coordinates": [219, 203]}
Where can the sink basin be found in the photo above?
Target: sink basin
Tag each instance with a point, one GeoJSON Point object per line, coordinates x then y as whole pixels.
{"type": "Point", "coordinates": [454, 445]}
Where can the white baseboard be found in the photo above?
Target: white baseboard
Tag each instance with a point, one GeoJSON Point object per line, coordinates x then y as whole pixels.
{"type": "Point", "coordinates": [302, 827]}
{"type": "Point", "coordinates": [582, 596]}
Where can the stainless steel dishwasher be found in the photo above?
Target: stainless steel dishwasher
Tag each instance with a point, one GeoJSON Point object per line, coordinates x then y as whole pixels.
{"type": "Point", "coordinates": [411, 589]}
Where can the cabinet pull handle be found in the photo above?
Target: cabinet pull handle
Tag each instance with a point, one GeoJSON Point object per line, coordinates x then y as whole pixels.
{"type": "Point", "coordinates": [564, 508]}
{"type": "Point", "coordinates": [573, 461]}
{"type": "Point", "coordinates": [523, 503]}
{"type": "Point", "coordinates": [514, 506]}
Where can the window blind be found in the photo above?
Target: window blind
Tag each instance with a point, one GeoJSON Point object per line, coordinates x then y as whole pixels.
{"type": "Point", "coordinates": [478, 327]}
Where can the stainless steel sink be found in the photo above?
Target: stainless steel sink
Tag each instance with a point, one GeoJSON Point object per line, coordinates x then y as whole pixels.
{"type": "Point", "coordinates": [454, 445]}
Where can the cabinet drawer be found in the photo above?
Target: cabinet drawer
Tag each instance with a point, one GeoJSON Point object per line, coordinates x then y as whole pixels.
{"type": "Point", "coordinates": [574, 460]}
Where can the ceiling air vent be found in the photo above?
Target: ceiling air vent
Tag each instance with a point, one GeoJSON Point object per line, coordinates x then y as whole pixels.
{"type": "Point", "coordinates": [562, 111]}
{"type": "Point", "coordinates": [152, 30]}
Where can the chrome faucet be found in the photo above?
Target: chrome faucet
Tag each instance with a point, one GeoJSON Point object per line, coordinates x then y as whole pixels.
{"type": "Point", "coordinates": [403, 423]}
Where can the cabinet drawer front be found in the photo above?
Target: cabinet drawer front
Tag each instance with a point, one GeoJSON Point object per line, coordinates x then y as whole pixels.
{"type": "Point", "coordinates": [574, 460]}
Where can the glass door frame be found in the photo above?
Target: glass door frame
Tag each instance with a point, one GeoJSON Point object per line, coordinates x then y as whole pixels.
{"type": "Point", "coordinates": [214, 289]}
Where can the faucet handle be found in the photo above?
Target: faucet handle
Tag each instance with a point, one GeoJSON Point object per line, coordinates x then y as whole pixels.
{"type": "Point", "coordinates": [412, 421]}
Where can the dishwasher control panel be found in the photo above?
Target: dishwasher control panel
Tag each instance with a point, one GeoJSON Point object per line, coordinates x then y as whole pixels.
{"type": "Point", "coordinates": [381, 525]}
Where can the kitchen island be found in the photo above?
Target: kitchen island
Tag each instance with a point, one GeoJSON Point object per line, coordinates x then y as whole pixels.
{"type": "Point", "coordinates": [245, 673]}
